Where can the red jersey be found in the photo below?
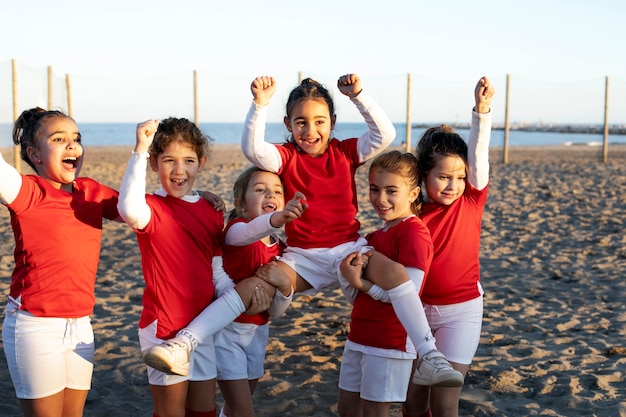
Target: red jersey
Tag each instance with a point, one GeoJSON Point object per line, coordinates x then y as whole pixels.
{"type": "Point", "coordinates": [57, 245]}
{"type": "Point", "coordinates": [374, 323]}
{"type": "Point", "coordinates": [241, 262]}
{"type": "Point", "coordinates": [177, 247]}
{"type": "Point", "coordinates": [328, 183]}
{"type": "Point", "coordinates": [455, 230]}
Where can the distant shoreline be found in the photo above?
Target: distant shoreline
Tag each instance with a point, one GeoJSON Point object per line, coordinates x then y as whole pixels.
{"type": "Point", "coordinates": [552, 128]}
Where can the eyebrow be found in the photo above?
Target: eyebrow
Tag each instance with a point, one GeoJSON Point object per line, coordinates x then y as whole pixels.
{"type": "Point", "coordinates": [314, 117]}
{"type": "Point", "coordinates": [63, 132]}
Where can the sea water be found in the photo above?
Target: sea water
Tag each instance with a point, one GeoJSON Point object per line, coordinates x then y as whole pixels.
{"type": "Point", "coordinates": [116, 134]}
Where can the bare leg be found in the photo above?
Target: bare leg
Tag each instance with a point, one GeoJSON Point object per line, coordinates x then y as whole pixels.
{"type": "Point", "coordinates": [237, 397]}
{"type": "Point", "coordinates": [273, 270]}
{"type": "Point", "coordinates": [67, 403]}
{"type": "Point", "coordinates": [444, 402]}
{"type": "Point", "coordinates": [349, 404]}
{"type": "Point", "coordinates": [201, 396]}
{"type": "Point", "coordinates": [169, 401]}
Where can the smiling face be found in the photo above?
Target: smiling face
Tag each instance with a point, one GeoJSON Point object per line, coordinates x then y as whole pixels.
{"type": "Point", "coordinates": [58, 153]}
{"type": "Point", "coordinates": [445, 182]}
{"type": "Point", "coordinates": [264, 194]}
{"type": "Point", "coordinates": [310, 123]}
{"type": "Point", "coordinates": [391, 196]}
{"type": "Point", "coordinates": [178, 167]}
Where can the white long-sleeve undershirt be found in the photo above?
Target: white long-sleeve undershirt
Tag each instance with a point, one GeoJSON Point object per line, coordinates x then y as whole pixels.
{"type": "Point", "coordinates": [10, 182]}
{"type": "Point", "coordinates": [478, 150]}
{"type": "Point", "coordinates": [245, 233]}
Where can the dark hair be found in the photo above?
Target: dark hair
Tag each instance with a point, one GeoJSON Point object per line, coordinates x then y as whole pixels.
{"type": "Point", "coordinates": [309, 89]}
{"type": "Point", "coordinates": [27, 127]}
{"type": "Point", "coordinates": [173, 129]}
{"type": "Point", "coordinates": [405, 165]}
{"type": "Point", "coordinates": [437, 142]}
{"type": "Point", "coordinates": [239, 189]}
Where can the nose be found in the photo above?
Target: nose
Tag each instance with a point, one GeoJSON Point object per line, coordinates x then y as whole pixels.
{"type": "Point", "coordinates": [306, 130]}
{"type": "Point", "coordinates": [380, 198]}
{"type": "Point", "coordinates": [179, 168]}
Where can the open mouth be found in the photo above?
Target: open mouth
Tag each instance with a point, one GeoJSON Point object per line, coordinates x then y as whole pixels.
{"type": "Point", "coordinates": [310, 142]}
{"type": "Point", "coordinates": [70, 162]}
{"type": "Point", "coordinates": [178, 182]}
{"type": "Point", "coordinates": [269, 207]}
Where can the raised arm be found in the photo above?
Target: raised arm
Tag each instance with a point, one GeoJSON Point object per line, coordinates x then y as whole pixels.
{"type": "Point", "coordinates": [381, 131]}
{"type": "Point", "coordinates": [480, 135]}
{"type": "Point", "coordinates": [10, 182]}
{"type": "Point", "coordinates": [132, 203]}
{"type": "Point", "coordinates": [240, 234]}
{"type": "Point", "coordinates": [253, 145]}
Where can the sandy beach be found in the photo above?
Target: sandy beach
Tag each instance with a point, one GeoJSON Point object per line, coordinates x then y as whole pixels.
{"type": "Point", "coordinates": [553, 261]}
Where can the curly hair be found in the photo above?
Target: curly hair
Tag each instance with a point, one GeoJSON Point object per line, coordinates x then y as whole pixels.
{"type": "Point", "coordinates": [173, 129]}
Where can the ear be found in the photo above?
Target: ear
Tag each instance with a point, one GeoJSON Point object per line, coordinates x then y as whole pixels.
{"type": "Point", "coordinates": [33, 155]}
{"type": "Point", "coordinates": [414, 194]}
{"type": "Point", "coordinates": [287, 124]}
{"type": "Point", "coordinates": [333, 119]}
{"type": "Point", "coordinates": [154, 164]}
{"type": "Point", "coordinates": [202, 162]}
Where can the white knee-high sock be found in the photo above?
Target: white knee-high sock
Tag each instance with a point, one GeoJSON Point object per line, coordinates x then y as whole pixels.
{"type": "Point", "coordinates": [410, 311]}
{"type": "Point", "coordinates": [214, 317]}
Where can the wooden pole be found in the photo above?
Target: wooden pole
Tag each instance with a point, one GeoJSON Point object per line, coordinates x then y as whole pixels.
{"type": "Point", "coordinates": [407, 140]}
{"type": "Point", "coordinates": [195, 98]}
{"type": "Point", "coordinates": [505, 156]}
{"type": "Point", "coordinates": [50, 100]}
{"type": "Point", "coordinates": [605, 142]}
{"type": "Point", "coordinates": [68, 86]}
{"type": "Point", "coordinates": [299, 77]}
{"type": "Point", "coordinates": [16, 148]}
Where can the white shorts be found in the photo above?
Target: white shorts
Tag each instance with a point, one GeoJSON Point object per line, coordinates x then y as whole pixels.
{"type": "Point", "coordinates": [320, 266]}
{"type": "Point", "coordinates": [201, 363]}
{"type": "Point", "coordinates": [45, 355]}
{"type": "Point", "coordinates": [240, 351]}
{"type": "Point", "coordinates": [457, 328]}
{"type": "Point", "coordinates": [375, 378]}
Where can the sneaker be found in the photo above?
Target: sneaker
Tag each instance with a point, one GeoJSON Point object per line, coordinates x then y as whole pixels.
{"type": "Point", "coordinates": [170, 357]}
{"type": "Point", "coordinates": [433, 369]}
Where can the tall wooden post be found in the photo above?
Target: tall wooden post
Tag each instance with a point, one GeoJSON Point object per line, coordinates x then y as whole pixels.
{"type": "Point", "coordinates": [605, 142]}
{"type": "Point", "coordinates": [505, 156]}
{"type": "Point", "coordinates": [407, 140]}
{"type": "Point", "coordinates": [50, 99]}
{"type": "Point", "coordinates": [16, 148]}
{"type": "Point", "coordinates": [69, 95]}
{"type": "Point", "coordinates": [195, 98]}
{"type": "Point", "coordinates": [299, 77]}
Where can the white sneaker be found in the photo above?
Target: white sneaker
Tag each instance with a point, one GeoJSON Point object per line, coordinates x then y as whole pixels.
{"type": "Point", "coordinates": [171, 357]}
{"type": "Point", "coordinates": [433, 369]}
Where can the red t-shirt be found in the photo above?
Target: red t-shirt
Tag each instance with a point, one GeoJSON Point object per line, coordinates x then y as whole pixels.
{"type": "Point", "coordinates": [455, 230]}
{"type": "Point", "coordinates": [330, 189]}
{"type": "Point", "coordinates": [374, 323]}
{"type": "Point", "coordinates": [241, 262]}
{"type": "Point", "coordinates": [177, 247]}
{"type": "Point", "coordinates": [57, 245]}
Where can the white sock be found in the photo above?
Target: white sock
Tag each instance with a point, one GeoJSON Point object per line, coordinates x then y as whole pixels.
{"type": "Point", "coordinates": [214, 317]}
{"type": "Point", "coordinates": [410, 311]}
{"type": "Point", "coordinates": [222, 413]}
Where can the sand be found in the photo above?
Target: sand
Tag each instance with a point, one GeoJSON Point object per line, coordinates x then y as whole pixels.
{"type": "Point", "coordinates": [553, 267]}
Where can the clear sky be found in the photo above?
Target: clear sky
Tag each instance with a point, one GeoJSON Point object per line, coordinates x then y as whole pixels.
{"type": "Point", "coordinates": [557, 42]}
